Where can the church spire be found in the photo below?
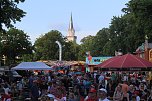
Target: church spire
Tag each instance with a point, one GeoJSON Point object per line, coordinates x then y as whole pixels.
{"type": "Point", "coordinates": [71, 23]}
{"type": "Point", "coordinates": [71, 32]}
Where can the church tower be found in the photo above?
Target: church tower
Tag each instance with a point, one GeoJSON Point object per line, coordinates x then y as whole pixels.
{"type": "Point", "coordinates": [71, 32]}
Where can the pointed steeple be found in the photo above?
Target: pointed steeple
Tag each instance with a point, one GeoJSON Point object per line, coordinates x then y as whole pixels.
{"type": "Point", "coordinates": [71, 32]}
{"type": "Point", "coordinates": [71, 23]}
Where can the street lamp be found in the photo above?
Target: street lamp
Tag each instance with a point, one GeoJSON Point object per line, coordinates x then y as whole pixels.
{"type": "Point", "coordinates": [60, 50]}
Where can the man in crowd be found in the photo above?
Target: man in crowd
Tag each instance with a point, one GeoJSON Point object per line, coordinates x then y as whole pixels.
{"type": "Point", "coordinates": [102, 94]}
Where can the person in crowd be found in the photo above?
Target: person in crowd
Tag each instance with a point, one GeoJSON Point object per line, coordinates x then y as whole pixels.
{"type": "Point", "coordinates": [149, 98]}
{"type": "Point", "coordinates": [76, 92]}
{"type": "Point", "coordinates": [81, 90]}
{"type": "Point", "coordinates": [113, 76]}
{"type": "Point", "coordinates": [49, 87]}
{"type": "Point", "coordinates": [131, 92]}
{"type": "Point", "coordinates": [143, 90]}
{"type": "Point", "coordinates": [97, 77]}
{"type": "Point", "coordinates": [102, 95]}
{"type": "Point", "coordinates": [6, 88]}
{"type": "Point", "coordinates": [87, 85]}
{"type": "Point", "coordinates": [133, 79]}
{"type": "Point", "coordinates": [125, 89]}
{"type": "Point", "coordinates": [51, 97]}
{"type": "Point", "coordinates": [108, 87]}
{"type": "Point", "coordinates": [118, 94]}
{"type": "Point", "coordinates": [113, 86]}
{"type": "Point", "coordinates": [19, 87]}
{"type": "Point", "coordinates": [92, 96]}
{"type": "Point", "coordinates": [125, 77]}
{"type": "Point", "coordinates": [101, 78]}
{"type": "Point", "coordinates": [142, 85]}
{"type": "Point", "coordinates": [71, 97]}
{"type": "Point", "coordinates": [136, 94]}
{"type": "Point", "coordinates": [60, 90]}
{"type": "Point", "coordinates": [75, 80]}
{"type": "Point", "coordinates": [4, 96]}
{"type": "Point", "coordinates": [35, 91]}
{"type": "Point", "coordinates": [133, 98]}
{"type": "Point", "coordinates": [52, 88]}
{"type": "Point", "coordinates": [30, 81]}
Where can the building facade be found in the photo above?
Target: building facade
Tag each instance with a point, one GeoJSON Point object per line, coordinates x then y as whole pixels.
{"type": "Point", "coordinates": [145, 50]}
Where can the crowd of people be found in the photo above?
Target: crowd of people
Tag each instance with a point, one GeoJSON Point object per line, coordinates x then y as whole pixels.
{"type": "Point", "coordinates": [97, 86]}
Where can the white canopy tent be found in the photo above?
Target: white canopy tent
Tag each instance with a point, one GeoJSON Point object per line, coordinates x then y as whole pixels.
{"type": "Point", "coordinates": [32, 66]}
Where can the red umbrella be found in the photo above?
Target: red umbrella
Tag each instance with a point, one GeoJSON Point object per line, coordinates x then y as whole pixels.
{"type": "Point", "coordinates": [125, 61]}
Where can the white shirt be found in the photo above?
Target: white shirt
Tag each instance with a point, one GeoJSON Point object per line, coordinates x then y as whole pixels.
{"type": "Point", "coordinates": [125, 78]}
{"type": "Point", "coordinates": [101, 77]}
{"type": "Point", "coordinates": [6, 90]}
{"type": "Point", "coordinates": [104, 99]}
{"type": "Point", "coordinates": [49, 78]}
{"type": "Point", "coordinates": [137, 98]}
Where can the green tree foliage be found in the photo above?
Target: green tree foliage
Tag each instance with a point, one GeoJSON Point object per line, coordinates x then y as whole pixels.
{"type": "Point", "coordinates": [9, 12]}
{"type": "Point", "coordinates": [100, 42]}
{"type": "Point", "coordinates": [119, 35]}
{"type": "Point", "coordinates": [45, 46]}
{"type": "Point", "coordinates": [27, 57]}
{"type": "Point", "coordinates": [126, 32]}
{"type": "Point", "coordinates": [47, 49]}
{"type": "Point", "coordinates": [138, 14]}
{"type": "Point", "coordinates": [87, 44]}
{"type": "Point", "coordinates": [15, 43]}
{"type": "Point", "coordinates": [142, 12]}
{"type": "Point", "coordinates": [70, 51]}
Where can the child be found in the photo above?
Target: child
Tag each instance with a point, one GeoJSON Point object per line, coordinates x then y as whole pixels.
{"type": "Point", "coordinates": [137, 95]}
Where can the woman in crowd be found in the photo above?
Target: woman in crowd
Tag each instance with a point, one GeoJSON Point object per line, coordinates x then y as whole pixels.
{"type": "Point", "coordinates": [131, 92]}
{"type": "Point", "coordinates": [149, 98]}
{"type": "Point", "coordinates": [118, 94]}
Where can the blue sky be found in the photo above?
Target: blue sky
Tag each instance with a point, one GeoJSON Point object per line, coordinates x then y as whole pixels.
{"type": "Point", "coordinates": [89, 16]}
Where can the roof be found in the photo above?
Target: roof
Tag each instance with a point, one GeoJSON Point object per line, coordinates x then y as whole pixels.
{"type": "Point", "coordinates": [62, 63]}
{"type": "Point", "coordinates": [32, 66]}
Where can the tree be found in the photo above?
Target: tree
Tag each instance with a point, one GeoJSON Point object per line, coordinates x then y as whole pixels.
{"type": "Point", "coordinates": [101, 39]}
{"type": "Point", "coordinates": [126, 32]}
{"type": "Point", "coordinates": [9, 12]}
{"type": "Point", "coordinates": [45, 46]}
{"type": "Point", "coordinates": [47, 49]}
{"type": "Point", "coordinates": [141, 10]}
{"type": "Point", "coordinates": [70, 51]}
{"type": "Point", "coordinates": [15, 43]}
{"type": "Point", "coordinates": [86, 45]}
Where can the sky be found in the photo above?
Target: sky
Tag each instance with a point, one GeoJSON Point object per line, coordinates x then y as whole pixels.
{"type": "Point", "coordinates": [89, 16]}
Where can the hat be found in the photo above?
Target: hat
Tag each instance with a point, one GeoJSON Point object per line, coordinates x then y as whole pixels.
{"type": "Point", "coordinates": [92, 90]}
{"type": "Point", "coordinates": [104, 90]}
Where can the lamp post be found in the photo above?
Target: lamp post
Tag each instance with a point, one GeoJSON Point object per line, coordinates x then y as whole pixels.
{"type": "Point", "coordinates": [60, 50]}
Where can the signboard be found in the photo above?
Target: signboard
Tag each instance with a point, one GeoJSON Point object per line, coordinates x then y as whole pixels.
{"type": "Point", "coordinates": [96, 60]}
